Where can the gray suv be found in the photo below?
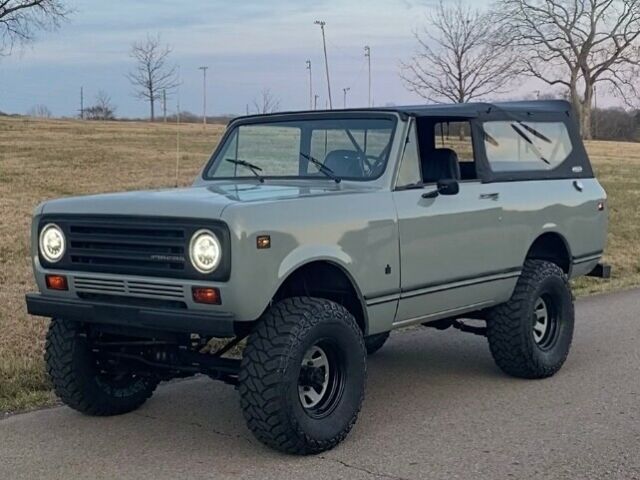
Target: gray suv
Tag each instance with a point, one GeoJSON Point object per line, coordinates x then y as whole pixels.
{"type": "Point", "coordinates": [310, 236]}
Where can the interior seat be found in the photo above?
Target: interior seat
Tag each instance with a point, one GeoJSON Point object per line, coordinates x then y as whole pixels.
{"type": "Point", "coordinates": [345, 163]}
{"type": "Point", "coordinates": [440, 164]}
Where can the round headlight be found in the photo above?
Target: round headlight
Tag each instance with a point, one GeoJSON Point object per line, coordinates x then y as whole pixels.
{"type": "Point", "coordinates": [205, 251]}
{"type": "Point", "coordinates": [52, 243]}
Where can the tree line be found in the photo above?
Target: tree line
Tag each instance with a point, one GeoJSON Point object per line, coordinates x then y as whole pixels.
{"type": "Point", "coordinates": [463, 54]}
{"type": "Point", "coordinates": [571, 46]}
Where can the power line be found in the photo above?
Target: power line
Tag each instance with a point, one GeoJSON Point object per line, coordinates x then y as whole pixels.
{"type": "Point", "coordinates": [322, 23]}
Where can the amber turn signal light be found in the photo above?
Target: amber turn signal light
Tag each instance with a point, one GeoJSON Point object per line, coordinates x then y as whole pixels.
{"type": "Point", "coordinates": [56, 282]}
{"type": "Point", "coordinates": [263, 241]}
{"type": "Point", "coordinates": [210, 296]}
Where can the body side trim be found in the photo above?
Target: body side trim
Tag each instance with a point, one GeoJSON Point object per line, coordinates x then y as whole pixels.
{"type": "Point", "coordinates": [433, 288]}
{"type": "Point", "coordinates": [443, 313]}
{"type": "Point", "coordinates": [587, 258]}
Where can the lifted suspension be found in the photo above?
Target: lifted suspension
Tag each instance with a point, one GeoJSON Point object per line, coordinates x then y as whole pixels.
{"type": "Point", "coordinates": [168, 360]}
{"type": "Point", "coordinates": [458, 325]}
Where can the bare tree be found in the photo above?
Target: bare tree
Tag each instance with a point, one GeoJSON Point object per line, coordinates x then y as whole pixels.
{"type": "Point", "coordinates": [39, 111]}
{"type": "Point", "coordinates": [575, 44]}
{"type": "Point", "coordinates": [456, 61]}
{"type": "Point", "coordinates": [152, 74]}
{"type": "Point", "coordinates": [103, 109]}
{"type": "Point", "coordinates": [20, 19]}
{"type": "Point", "coordinates": [266, 103]}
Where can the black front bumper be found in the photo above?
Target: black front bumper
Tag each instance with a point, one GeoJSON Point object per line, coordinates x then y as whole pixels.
{"type": "Point", "coordinates": [216, 324]}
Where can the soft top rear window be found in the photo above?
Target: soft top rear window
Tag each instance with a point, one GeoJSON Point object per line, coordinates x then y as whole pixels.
{"type": "Point", "coordinates": [519, 146]}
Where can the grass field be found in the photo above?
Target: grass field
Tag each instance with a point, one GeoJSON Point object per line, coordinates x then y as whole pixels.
{"type": "Point", "coordinates": [40, 160]}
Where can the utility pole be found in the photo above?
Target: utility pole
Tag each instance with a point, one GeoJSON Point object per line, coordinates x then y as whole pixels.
{"type": "Point", "coordinates": [81, 103]}
{"type": "Point", "coordinates": [315, 101]}
{"type": "Point", "coordinates": [595, 112]}
{"type": "Point", "coordinates": [177, 140]}
{"type": "Point", "coordinates": [322, 23]}
{"type": "Point", "coordinates": [204, 95]}
{"type": "Point", "coordinates": [310, 85]}
{"type": "Point", "coordinates": [367, 54]}
{"type": "Point", "coordinates": [164, 104]}
{"type": "Point", "coordinates": [345, 90]}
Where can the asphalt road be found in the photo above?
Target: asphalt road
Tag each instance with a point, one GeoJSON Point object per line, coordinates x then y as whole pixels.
{"type": "Point", "coordinates": [436, 408]}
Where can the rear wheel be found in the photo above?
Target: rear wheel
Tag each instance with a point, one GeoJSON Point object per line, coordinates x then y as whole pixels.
{"type": "Point", "coordinates": [82, 383]}
{"type": "Point", "coordinates": [303, 375]}
{"type": "Point", "coordinates": [530, 335]}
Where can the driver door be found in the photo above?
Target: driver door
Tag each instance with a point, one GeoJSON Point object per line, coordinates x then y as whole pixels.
{"type": "Point", "coordinates": [451, 246]}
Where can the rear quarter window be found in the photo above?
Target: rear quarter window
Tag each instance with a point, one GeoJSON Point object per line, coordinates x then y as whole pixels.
{"type": "Point", "coordinates": [519, 146]}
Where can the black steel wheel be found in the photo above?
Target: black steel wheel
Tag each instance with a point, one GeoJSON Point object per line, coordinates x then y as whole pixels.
{"type": "Point", "coordinates": [530, 335]}
{"type": "Point", "coordinates": [303, 375]}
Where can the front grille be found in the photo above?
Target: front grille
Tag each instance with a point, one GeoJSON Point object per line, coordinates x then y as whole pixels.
{"type": "Point", "coordinates": [151, 247]}
{"type": "Point", "coordinates": [132, 288]}
{"type": "Point", "coordinates": [144, 246]}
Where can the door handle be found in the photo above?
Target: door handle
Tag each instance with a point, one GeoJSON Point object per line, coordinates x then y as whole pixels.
{"type": "Point", "coordinates": [489, 196]}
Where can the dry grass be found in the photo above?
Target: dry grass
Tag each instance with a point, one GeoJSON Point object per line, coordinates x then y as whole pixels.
{"type": "Point", "coordinates": [617, 166]}
{"type": "Point", "coordinates": [40, 160]}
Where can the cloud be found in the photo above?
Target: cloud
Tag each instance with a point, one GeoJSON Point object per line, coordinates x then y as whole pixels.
{"type": "Point", "coordinates": [248, 45]}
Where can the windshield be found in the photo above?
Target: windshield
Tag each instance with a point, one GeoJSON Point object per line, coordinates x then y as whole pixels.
{"type": "Point", "coordinates": [349, 149]}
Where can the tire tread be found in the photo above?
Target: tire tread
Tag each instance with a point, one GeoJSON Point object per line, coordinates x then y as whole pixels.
{"type": "Point", "coordinates": [70, 386]}
{"type": "Point", "coordinates": [268, 350]}
{"type": "Point", "coordinates": [513, 355]}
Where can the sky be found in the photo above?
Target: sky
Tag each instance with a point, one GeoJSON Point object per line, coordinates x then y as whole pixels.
{"type": "Point", "coordinates": [248, 45]}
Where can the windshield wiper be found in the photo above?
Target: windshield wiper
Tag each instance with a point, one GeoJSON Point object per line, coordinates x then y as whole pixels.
{"type": "Point", "coordinates": [322, 167]}
{"type": "Point", "coordinates": [254, 168]}
{"type": "Point", "coordinates": [531, 144]}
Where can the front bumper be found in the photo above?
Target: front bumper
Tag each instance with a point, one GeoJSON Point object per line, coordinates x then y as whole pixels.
{"type": "Point", "coordinates": [217, 324]}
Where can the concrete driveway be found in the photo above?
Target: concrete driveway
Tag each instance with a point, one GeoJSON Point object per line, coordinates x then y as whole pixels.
{"type": "Point", "coordinates": [436, 408]}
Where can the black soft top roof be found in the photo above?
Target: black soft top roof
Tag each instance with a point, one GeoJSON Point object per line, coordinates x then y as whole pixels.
{"type": "Point", "coordinates": [472, 110]}
{"type": "Point", "coordinates": [448, 110]}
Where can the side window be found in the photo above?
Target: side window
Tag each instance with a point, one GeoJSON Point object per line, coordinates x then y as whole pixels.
{"type": "Point", "coordinates": [409, 172]}
{"type": "Point", "coordinates": [514, 146]}
{"type": "Point", "coordinates": [456, 136]}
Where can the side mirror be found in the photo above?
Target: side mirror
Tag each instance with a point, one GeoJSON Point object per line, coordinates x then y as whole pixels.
{"type": "Point", "coordinates": [447, 186]}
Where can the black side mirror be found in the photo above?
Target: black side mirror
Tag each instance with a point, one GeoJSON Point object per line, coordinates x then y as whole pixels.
{"type": "Point", "coordinates": [446, 186]}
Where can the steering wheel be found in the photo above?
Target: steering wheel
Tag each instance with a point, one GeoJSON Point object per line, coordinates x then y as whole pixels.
{"type": "Point", "coordinates": [372, 163]}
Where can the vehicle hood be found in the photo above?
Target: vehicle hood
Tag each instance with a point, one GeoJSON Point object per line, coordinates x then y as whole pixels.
{"type": "Point", "coordinates": [204, 201]}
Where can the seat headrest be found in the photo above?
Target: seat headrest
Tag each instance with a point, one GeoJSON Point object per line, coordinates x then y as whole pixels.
{"type": "Point", "coordinates": [440, 164]}
{"type": "Point", "coordinates": [344, 163]}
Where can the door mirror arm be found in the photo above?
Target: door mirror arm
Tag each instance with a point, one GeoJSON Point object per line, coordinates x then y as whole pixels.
{"type": "Point", "coordinates": [444, 187]}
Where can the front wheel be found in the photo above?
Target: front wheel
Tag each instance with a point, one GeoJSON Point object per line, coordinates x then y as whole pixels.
{"type": "Point", "coordinates": [530, 335]}
{"type": "Point", "coordinates": [303, 375]}
{"type": "Point", "coordinates": [81, 381]}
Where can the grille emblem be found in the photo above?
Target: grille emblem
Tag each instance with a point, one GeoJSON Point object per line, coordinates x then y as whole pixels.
{"type": "Point", "coordinates": [167, 258]}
